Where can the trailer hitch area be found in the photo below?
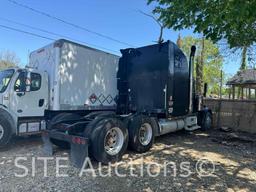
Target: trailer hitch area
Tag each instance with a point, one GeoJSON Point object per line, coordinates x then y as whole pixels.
{"type": "Point", "coordinates": [78, 146]}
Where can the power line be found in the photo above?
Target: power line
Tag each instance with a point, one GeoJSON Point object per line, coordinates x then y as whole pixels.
{"type": "Point", "coordinates": [26, 32]}
{"type": "Point", "coordinates": [69, 23]}
{"type": "Point", "coordinates": [56, 34]}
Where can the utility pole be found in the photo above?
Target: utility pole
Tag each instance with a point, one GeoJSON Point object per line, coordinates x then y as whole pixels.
{"type": "Point", "coordinates": [221, 84]}
{"type": "Point", "coordinates": [220, 99]}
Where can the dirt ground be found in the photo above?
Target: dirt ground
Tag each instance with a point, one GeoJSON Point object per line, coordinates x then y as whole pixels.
{"type": "Point", "coordinates": [230, 166]}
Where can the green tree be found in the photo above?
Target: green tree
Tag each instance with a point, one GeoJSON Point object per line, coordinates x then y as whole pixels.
{"type": "Point", "coordinates": [233, 20]}
{"type": "Point", "coordinates": [8, 59]}
{"type": "Point", "coordinates": [208, 62]}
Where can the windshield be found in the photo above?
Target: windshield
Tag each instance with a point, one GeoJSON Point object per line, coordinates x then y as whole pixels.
{"type": "Point", "coordinates": [5, 77]}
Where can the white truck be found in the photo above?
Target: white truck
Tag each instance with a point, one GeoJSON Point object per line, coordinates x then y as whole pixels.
{"type": "Point", "coordinates": [61, 78]}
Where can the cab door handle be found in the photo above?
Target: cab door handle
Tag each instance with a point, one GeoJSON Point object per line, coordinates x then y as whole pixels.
{"type": "Point", "coordinates": [41, 103]}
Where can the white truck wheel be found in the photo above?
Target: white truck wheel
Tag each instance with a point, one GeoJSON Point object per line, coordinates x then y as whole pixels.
{"type": "Point", "coordinates": [141, 133]}
{"type": "Point", "coordinates": [109, 140]}
{"type": "Point", "coordinates": [1, 132]}
{"type": "Point", "coordinates": [5, 131]}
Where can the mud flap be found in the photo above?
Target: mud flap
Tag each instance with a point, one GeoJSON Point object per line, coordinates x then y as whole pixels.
{"type": "Point", "coordinates": [79, 151]}
{"type": "Point", "coordinates": [47, 144]}
{"type": "Point", "coordinates": [78, 146]}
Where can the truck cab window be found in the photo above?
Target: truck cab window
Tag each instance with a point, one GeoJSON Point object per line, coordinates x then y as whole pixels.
{"type": "Point", "coordinates": [20, 84]}
{"type": "Point", "coordinates": [5, 78]}
{"type": "Point", "coordinates": [35, 82]}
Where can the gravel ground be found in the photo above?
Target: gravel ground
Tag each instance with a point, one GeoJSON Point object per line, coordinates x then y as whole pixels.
{"type": "Point", "coordinates": [171, 165]}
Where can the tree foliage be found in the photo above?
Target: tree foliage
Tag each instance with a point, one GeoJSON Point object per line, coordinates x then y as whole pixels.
{"type": "Point", "coordinates": [212, 61]}
{"type": "Point", "coordinates": [233, 20]}
{"type": "Point", "coordinates": [8, 59]}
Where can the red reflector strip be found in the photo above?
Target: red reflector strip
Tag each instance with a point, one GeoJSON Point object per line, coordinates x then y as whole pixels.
{"type": "Point", "coordinates": [78, 140]}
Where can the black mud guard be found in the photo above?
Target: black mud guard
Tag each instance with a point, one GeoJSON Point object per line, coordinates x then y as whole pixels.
{"type": "Point", "coordinates": [78, 146]}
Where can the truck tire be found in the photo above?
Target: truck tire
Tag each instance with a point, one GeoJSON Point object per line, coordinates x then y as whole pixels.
{"type": "Point", "coordinates": [97, 117]}
{"type": "Point", "coordinates": [141, 133]}
{"type": "Point", "coordinates": [56, 119]}
{"type": "Point", "coordinates": [109, 140]}
{"type": "Point", "coordinates": [6, 132]}
{"type": "Point", "coordinates": [90, 128]}
{"type": "Point", "coordinates": [206, 122]}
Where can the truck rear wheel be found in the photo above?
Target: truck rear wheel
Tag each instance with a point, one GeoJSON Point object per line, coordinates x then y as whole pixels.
{"type": "Point", "coordinates": [59, 118]}
{"type": "Point", "coordinates": [206, 123]}
{"type": "Point", "coordinates": [5, 131]}
{"type": "Point", "coordinates": [109, 140]}
{"type": "Point", "coordinates": [141, 133]}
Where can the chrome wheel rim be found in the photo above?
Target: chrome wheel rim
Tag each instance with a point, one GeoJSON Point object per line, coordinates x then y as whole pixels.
{"type": "Point", "coordinates": [145, 134]}
{"type": "Point", "coordinates": [114, 141]}
{"type": "Point", "coordinates": [1, 132]}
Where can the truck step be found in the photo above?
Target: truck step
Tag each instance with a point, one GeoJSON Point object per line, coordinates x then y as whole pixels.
{"type": "Point", "coordinates": [192, 128]}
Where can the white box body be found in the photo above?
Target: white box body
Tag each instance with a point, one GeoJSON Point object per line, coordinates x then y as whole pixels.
{"type": "Point", "coordinates": [80, 77]}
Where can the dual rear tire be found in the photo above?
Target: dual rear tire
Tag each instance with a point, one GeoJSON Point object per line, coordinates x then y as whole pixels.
{"type": "Point", "coordinates": [141, 133]}
{"type": "Point", "coordinates": [109, 140]}
{"type": "Point", "coordinates": [110, 137]}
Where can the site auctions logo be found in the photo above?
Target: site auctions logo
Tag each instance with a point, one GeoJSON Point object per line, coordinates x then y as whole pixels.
{"type": "Point", "coordinates": [205, 167]}
{"type": "Point", "coordinates": [59, 166]}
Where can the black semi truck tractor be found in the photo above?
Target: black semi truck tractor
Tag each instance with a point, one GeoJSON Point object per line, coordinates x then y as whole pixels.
{"type": "Point", "coordinates": [156, 96]}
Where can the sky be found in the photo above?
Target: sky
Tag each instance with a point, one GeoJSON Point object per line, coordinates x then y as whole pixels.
{"type": "Point", "coordinates": [119, 19]}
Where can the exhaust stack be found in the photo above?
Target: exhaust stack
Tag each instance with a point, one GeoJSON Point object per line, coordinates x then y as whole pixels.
{"type": "Point", "coordinates": [191, 77]}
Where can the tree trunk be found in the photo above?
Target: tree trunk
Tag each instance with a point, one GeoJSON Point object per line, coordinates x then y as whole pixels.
{"type": "Point", "coordinates": [243, 62]}
{"type": "Point", "coordinates": [161, 40]}
{"type": "Point", "coordinates": [179, 42]}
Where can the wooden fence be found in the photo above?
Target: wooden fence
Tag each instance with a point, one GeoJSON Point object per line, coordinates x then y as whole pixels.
{"type": "Point", "coordinates": [235, 114]}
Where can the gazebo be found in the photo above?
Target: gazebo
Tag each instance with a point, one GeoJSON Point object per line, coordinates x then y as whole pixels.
{"type": "Point", "coordinates": [243, 85]}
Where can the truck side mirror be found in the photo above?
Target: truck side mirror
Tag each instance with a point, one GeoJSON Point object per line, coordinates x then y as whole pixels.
{"type": "Point", "coordinates": [205, 89]}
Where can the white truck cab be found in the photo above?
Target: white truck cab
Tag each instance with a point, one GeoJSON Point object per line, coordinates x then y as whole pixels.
{"type": "Point", "coordinates": [63, 77]}
{"type": "Point", "coordinates": [23, 101]}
